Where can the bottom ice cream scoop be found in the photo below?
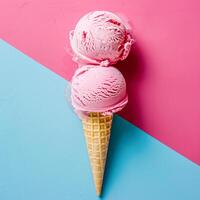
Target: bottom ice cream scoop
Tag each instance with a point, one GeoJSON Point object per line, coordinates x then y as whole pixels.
{"type": "Point", "coordinates": [98, 89]}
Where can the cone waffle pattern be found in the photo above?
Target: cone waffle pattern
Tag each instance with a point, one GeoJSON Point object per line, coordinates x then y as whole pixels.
{"type": "Point", "coordinates": [97, 133]}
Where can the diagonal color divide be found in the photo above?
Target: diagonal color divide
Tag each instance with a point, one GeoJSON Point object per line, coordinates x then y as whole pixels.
{"type": "Point", "coordinates": [43, 153]}
{"type": "Point", "coordinates": [162, 71]}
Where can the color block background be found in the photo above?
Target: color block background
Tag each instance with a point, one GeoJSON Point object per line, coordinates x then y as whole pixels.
{"type": "Point", "coordinates": [43, 153]}
{"type": "Point", "coordinates": [162, 74]}
{"type": "Point", "coordinates": [162, 71]}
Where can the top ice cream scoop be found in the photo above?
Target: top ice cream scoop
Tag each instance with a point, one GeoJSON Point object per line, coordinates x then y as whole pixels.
{"type": "Point", "coordinates": [100, 37]}
{"type": "Point", "coordinates": [98, 89]}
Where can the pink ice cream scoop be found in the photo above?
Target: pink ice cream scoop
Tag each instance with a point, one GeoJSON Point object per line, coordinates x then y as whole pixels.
{"type": "Point", "coordinates": [98, 89]}
{"type": "Point", "coordinates": [100, 37]}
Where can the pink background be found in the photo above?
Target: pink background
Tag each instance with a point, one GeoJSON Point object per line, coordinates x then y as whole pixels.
{"type": "Point", "coordinates": [162, 71]}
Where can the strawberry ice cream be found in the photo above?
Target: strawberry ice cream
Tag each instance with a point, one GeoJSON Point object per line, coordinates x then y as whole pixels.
{"type": "Point", "coordinates": [100, 37]}
{"type": "Point", "coordinates": [98, 89]}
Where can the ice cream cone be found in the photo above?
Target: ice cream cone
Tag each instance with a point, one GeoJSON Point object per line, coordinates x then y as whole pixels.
{"type": "Point", "coordinates": [97, 128]}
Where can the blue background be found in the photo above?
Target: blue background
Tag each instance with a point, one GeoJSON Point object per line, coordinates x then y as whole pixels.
{"type": "Point", "coordinates": [43, 153]}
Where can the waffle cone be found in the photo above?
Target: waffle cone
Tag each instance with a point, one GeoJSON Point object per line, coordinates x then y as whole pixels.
{"type": "Point", "coordinates": [97, 128]}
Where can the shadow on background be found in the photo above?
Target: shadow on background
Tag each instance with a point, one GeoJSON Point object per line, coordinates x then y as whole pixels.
{"type": "Point", "coordinates": [134, 71]}
{"type": "Point", "coordinates": [125, 145]}
{"type": "Point", "coordinates": [125, 136]}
